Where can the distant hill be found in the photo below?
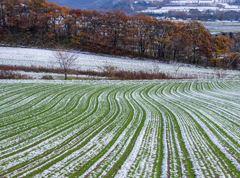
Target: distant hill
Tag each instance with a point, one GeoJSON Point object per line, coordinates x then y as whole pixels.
{"type": "Point", "coordinates": [78, 3]}
{"type": "Point", "coordinates": [124, 5]}
{"type": "Point", "coordinates": [237, 2]}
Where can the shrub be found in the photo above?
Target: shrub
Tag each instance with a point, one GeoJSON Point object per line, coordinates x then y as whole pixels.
{"type": "Point", "coordinates": [9, 74]}
{"type": "Point", "coordinates": [47, 77]}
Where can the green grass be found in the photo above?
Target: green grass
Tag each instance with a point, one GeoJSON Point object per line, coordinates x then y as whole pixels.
{"type": "Point", "coordinates": [93, 129]}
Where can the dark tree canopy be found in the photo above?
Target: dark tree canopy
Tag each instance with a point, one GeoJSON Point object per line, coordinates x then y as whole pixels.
{"type": "Point", "coordinates": [39, 23]}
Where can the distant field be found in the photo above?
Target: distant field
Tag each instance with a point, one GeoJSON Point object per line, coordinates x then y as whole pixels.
{"type": "Point", "coordinates": [181, 128]}
{"type": "Point", "coordinates": [217, 27]}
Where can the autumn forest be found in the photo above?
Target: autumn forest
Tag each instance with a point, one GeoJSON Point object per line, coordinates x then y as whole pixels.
{"type": "Point", "coordinates": [43, 24]}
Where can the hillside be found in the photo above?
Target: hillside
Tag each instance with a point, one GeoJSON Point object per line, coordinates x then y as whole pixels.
{"type": "Point", "coordinates": [163, 6]}
{"type": "Point", "coordinates": [115, 33]}
{"type": "Point", "coordinates": [87, 61]}
{"type": "Point", "coordinates": [95, 4]}
{"type": "Point", "coordinates": [79, 3]}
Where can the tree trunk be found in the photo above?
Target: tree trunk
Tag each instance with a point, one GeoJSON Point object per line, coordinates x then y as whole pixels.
{"type": "Point", "coordinates": [115, 39]}
{"type": "Point", "coordinates": [65, 72]}
{"type": "Point", "coordinates": [194, 53]}
{"type": "Point", "coordinates": [174, 55]}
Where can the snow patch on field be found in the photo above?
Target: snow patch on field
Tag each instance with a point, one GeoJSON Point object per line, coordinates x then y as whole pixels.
{"type": "Point", "coordinates": [87, 61]}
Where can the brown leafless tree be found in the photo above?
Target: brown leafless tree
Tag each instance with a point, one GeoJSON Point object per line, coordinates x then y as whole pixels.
{"type": "Point", "coordinates": [66, 59]}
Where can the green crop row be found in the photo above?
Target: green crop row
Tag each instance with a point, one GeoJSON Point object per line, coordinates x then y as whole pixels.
{"type": "Point", "coordinates": [131, 129]}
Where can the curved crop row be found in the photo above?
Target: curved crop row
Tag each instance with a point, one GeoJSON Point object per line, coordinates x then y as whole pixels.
{"type": "Point", "coordinates": [126, 129]}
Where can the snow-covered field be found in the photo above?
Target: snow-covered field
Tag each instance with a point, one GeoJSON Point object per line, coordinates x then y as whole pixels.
{"type": "Point", "coordinates": [222, 26]}
{"type": "Point", "coordinates": [185, 7]}
{"type": "Point", "coordinates": [86, 61]}
{"type": "Point", "coordinates": [103, 128]}
{"type": "Point", "coordinates": [107, 128]}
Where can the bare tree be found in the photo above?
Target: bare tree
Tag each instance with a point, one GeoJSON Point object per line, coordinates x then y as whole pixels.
{"type": "Point", "coordinates": [65, 59]}
{"type": "Point", "coordinates": [155, 68]}
{"type": "Point", "coordinates": [176, 67]}
{"type": "Point", "coordinates": [221, 73]}
{"type": "Point", "coordinates": [108, 69]}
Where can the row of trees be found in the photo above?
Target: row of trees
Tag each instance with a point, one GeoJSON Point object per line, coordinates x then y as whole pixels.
{"type": "Point", "coordinates": [39, 23]}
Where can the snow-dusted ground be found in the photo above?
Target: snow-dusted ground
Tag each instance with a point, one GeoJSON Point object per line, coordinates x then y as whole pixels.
{"type": "Point", "coordinates": [158, 128]}
{"type": "Point", "coordinates": [87, 61]}
{"type": "Point", "coordinates": [222, 26]}
{"type": "Point", "coordinates": [186, 7]}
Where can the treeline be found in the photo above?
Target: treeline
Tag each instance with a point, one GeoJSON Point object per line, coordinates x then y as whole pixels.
{"type": "Point", "coordinates": [38, 23]}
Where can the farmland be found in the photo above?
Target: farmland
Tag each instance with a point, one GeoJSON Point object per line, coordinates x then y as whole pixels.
{"type": "Point", "coordinates": [87, 61]}
{"type": "Point", "coordinates": [218, 27]}
{"type": "Point", "coordinates": [159, 128]}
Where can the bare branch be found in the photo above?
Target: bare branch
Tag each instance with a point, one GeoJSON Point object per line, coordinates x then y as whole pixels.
{"type": "Point", "coordinates": [65, 59]}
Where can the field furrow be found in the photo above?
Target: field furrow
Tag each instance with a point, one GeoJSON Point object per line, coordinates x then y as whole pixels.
{"type": "Point", "coordinates": [178, 128]}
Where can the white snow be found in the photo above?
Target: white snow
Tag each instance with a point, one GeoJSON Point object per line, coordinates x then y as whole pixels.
{"type": "Point", "coordinates": [87, 61]}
